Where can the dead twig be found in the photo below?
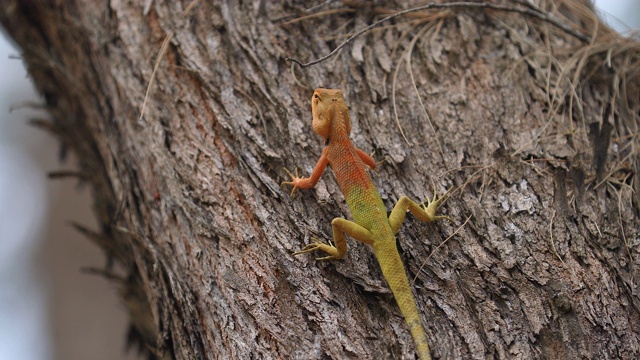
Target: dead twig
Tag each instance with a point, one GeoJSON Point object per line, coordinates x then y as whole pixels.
{"type": "Point", "coordinates": [533, 12]}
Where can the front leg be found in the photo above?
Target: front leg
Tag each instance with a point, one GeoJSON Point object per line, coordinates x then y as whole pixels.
{"type": "Point", "coordinates": [306, 183]}
{"type": "Point", "coordinates": [426, 213]}
{"type": "Point", "coordinates": [340, 227]}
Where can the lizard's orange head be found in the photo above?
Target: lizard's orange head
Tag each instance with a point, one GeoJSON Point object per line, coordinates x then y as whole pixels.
{"type": "Point", "coordinates": [327, 105]}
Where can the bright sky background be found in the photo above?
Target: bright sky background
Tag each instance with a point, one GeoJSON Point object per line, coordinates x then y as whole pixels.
{"type": "Point", "coordinates": [622, 15]}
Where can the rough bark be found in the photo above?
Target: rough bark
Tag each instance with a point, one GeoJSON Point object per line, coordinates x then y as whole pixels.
{"type": "Point", "coordinates": [191, 209]}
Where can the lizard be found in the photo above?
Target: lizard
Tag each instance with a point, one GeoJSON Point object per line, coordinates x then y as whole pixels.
{"type": "Point", "coordinates": [371, 226]}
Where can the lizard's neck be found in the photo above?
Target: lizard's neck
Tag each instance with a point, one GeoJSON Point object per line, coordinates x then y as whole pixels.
{"type": "Point", "coordinates": [338, 128]}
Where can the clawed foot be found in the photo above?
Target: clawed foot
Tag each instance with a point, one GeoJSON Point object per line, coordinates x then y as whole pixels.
{"type": "Point", "coordinates": [294, 181]}
{"type": "Point", "coordinates": [319, 245]}
{"type": "Point", "coordinates": [431, 205]}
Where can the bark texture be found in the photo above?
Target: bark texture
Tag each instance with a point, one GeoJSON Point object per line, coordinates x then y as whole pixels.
{"type": "Point", "coordinates": [536, 130]}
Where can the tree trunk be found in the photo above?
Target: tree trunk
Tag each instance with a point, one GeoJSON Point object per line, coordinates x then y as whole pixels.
{"type": "Point", "coordinates": [535, 129]}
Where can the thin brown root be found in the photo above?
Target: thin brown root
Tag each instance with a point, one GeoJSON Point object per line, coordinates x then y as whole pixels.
{"type": "Point", "coordinates": [161, 54]}
{"type": "Point", "coordinates": [427, 28]}
{"type": "Point", "coordinates": [318, 14]}
{"type": "Point", "coordinates": [553, 243]}
{"type": "Point", "coordinates": [255, 105]}
{"type": "Point", "coordinates": [438, 248]}
{"type": "Point", "coordinates": [163, 50]}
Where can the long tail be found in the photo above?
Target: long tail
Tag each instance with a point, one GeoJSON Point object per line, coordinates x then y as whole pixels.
{"type": "Point", "coordinates": [395, 274]}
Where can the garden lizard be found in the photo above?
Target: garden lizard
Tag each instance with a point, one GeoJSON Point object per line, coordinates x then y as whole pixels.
{"type": "Point", "coordinates": [372, 226]}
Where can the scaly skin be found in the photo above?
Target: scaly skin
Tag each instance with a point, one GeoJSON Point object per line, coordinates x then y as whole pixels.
{"type": "Point", "coordinates": [331, 121]}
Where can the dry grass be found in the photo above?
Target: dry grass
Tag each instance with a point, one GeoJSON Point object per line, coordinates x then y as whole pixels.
{"type": "Point", "coordinates": [609, 65]}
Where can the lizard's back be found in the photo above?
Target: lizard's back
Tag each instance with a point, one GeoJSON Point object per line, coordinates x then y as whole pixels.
{"type": "Point", "coordinates": [360, 192]}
